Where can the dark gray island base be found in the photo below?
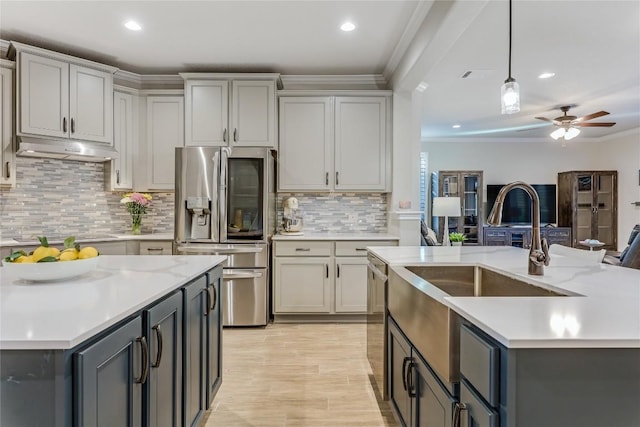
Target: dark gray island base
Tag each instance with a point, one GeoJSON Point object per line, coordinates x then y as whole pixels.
{"type": "Point", "coordinates": [161, 363]}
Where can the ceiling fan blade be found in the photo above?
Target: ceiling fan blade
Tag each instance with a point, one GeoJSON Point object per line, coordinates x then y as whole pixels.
{"type": "Point", "coordinates": [595, 125]}
{"type": "Point", "coordinates": [591, 116]}
{"type": "Point", "coordinates": [555, 122]}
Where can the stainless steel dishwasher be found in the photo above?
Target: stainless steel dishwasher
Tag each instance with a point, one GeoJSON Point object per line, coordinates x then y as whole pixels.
{"type": "Point", "coordinates": [377, 322]}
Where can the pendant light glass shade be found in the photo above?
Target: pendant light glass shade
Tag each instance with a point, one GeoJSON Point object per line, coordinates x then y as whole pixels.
{"type": "Point", "coordinates": [510, 92]}
{"type": "Point", "coordinates": [558, 133]}
{"type": "Point", "coordinates": [567, 134]}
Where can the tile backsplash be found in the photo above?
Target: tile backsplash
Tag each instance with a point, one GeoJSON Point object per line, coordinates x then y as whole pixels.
{"type": "Point", "coordinates": [339, 212]}
{"type": "Point", "coordinates": [62, 198]}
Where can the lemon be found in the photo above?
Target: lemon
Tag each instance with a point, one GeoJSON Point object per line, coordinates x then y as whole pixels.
{"type": "Point", "coordinates": [25, 259]}
{"type": "Point", "coordinates": [39, 253]}
{"type": "Point", "coordinates": [69, 254]}
{"type": "Point", "coordinates": [88, 252]}
{"type": "Point", "coordinates": [54, 252]}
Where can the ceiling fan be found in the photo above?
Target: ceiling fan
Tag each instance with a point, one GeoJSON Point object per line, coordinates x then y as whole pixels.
{"type": "Point", "coordinates": [568, 125]}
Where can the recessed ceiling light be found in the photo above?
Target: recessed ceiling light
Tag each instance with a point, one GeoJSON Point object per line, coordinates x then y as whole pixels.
{"type": "Point", "coordinates": [546, 75]}
{"type": "Point", "coordinates": [348, 26]}
{"type": "Point", "coordinates": [456, 126]}
{"type": "Point", "coordinates": [133, 25]}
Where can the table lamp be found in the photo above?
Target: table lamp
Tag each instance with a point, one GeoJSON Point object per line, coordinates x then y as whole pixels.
{"type": "Point", "coordinates": [446, 207]}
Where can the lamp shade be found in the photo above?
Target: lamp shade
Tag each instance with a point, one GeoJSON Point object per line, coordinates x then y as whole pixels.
{"type": "Point", "coordinates": [446, 206]}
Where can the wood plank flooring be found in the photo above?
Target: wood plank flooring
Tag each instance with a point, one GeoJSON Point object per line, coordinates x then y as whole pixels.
{"type": "Point", "coordinates": [297, 375]}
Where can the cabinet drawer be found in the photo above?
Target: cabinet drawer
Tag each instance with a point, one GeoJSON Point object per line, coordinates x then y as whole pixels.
{"type": "Point", "coordinates": [302, 248]}
{"type": "Point", "coordinates": [495, 233]}
{"type": "Point", "coordinates": [478, 413]}
{"type": "Point", "coordinates": [359, 247]}
{"type": "Point", "coordinates": [155, 248]}
{"type": "Point", "coordinates": [479, 364]}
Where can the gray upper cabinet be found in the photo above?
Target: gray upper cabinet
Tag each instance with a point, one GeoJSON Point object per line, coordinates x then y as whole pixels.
{"type": "Point", "coordinates": [119, 173]}
{"type": "Point", "coordinates": [7, 150]}
{"type": "Point", "coordinates": [230, 110]}
{"type": "Point", "coordinates": [63, 97]}
{"type": "Point", "coordinates": [334, 143]}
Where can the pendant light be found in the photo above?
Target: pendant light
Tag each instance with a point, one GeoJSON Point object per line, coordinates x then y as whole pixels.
{"type": "Point", "coordinates": [510, 90]}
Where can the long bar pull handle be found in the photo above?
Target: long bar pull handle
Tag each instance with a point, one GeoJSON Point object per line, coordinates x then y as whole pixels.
{"type": "Point", "coordinates": [145, 360]}
{"type": "Point", "coordinates": [215, 298]}
{"type": "Point", "coordinates": [117, 176]}
{"type": "Point", "coordinates": [224, 135]}
{"type": "Point", "coordinates": [404, 372]}
{"type": "Point", "coordinates": [73, 125]}
{"type": "Point", "coordinates": [64, 124]}
{"type": "Point", "coordinates": [338, 270]}
{"type": "Point", "coordinates": [412, 392]}
{"type": "Point", "coordinates": [337, 178]}
{"type": "Point", "coordinates": [456, 413]}
{"type": "Point", "coordinates": [303, 249]}
{"type": "Point", "coordinates": [633, 203]}
{"type": "Point", "coordinates": [209, 299]}
{"type": "Point", "coordinates": [326, 268]}
{"type": "Point", "coordinates": [235, 135]}
{"type": "Point", "coordinates": [7, 166]}
{"type": "Point", "coordinates": [326, 179]}
{"type": "Point", "coordinates": [156, 364]}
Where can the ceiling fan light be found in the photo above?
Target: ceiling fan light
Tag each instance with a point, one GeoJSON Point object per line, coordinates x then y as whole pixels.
{"type": "Point", "coordinates": [558, 133]}
{"type": "Point", "coordinates": [571, 133]}
{"type": "Point", "coordinates": [510, 92]}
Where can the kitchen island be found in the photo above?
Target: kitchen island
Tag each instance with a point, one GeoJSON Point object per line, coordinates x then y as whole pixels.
{"type": "Point", "coordinates": [122, 345]}
{"type": "Point", "coordinates": [514, 360]}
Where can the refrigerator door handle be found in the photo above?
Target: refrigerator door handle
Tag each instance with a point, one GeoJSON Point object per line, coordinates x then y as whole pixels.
{"type": "Point", "coordinates": [215, 229]}
{"type": "Point", "coordinates": [224, 169]}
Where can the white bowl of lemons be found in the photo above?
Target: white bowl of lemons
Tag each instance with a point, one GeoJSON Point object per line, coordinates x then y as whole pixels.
{"type": "Point", "coordinates": [47, 263]}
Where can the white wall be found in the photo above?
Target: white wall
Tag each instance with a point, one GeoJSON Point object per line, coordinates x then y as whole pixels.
{"type": "Point", "coordinates": [540, 162]}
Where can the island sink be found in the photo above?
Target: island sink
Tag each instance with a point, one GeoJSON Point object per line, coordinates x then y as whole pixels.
{"type": "Point", "coordinates": [430, 324]}
{"type": "Point", "coordinates": [470, 281]}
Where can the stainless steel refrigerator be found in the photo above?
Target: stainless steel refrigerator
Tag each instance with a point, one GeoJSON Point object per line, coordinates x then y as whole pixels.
{"type": "Point", "coordinates": [225, 205]}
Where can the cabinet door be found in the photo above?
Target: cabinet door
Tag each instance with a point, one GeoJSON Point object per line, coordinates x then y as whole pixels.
{"type": "Point", "coordinates": [301, 285]}
{"type": "Point", "coordinates": [433, 404]}
{"type": "Point", "coordinates": [360, 143]}
{"type": "Point", "coordinates": [306, 144]}
{"type": "Point", "coordinates": [253, 113]}
{"type": "Point", "coordinates": [7, 151]}
{"type": "Point", "coordinates": [214, 338]}
{"type": "Point", "coordinates": [195, 351]}
{"type": "Point", "coordinates": [108, 379]}
{"type": "Point", "coordinates": [165, 132]}
{"type": "Point", "coordinates": [605, 202]}
{"type": "Point", "coordinates": [398, 360]}
{"type": "Point", "coordinates": [121, 169]}
{"type": "Point", "coordinates": [90, 104]}
{"type": "Point", "coordinates": [206, 112]}
{"type": "Point", "coordinates": [43, 96]}
{"type": "Point", "coordinates": [163, 328]}
{"type": "Point", "coordinates": [584, 206]}
{"type": "Point", "coordinates": [478, 413]}
{"type": "Point", "coordinates": [351, 284]}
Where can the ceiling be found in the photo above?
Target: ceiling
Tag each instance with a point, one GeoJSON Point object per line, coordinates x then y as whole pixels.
{"type": "Point", "coordinates": [592, 46]}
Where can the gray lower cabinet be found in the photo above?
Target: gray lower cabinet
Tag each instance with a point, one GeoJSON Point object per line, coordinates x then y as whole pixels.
{"type": "Point", "coordinates": [414, 390]}
{"type": "Point", "coordinates": [521, 236]}
{"type": "Point", "coordinates": [195, 351]}
{"type": "Point", "coordinates": [163, 394]}
{"type": "Point", "coordinates": [214, 335]}
{"type": "Point", "coordinates": [109, 377]}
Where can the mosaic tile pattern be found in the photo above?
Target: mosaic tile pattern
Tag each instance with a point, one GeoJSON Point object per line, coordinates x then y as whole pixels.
{"type": "Point", "coordinates": [63, 198]}
{"type": "Point", "coordinates": [339, 212]}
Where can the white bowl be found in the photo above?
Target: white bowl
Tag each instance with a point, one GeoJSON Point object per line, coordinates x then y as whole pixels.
{"type": "Point", "coordinates": [50, 271]}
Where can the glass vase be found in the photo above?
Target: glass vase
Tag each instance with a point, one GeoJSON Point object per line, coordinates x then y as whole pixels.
{"type": "Point", "coordinates": [136, 221]}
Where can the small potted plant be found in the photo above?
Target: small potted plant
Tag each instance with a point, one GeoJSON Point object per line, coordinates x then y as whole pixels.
{"type": "Point", "coordinates": [456, 239]}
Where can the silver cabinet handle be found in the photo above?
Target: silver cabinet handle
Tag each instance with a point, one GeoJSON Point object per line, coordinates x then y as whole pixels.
{"type": "Point", "coordinates": [73, 125]}
{"type": "Point", "coordinates": [224, 135]}
{"type": "Point", "coordinates": [7, 166]}
{"type": "Point", "coordinates": [117, 176]}
{"type": "Point", "coordinates": [326, 179]}
{"type": "Point", "coordinates": [161, 250]}
{"type": "Point", "coordinates": [64, 124]}
{"type": "Point", "coordinates": [235, 135]}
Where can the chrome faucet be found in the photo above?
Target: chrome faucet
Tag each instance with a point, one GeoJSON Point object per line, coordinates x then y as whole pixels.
{"type": "Point", "coordinates": [538, 251]}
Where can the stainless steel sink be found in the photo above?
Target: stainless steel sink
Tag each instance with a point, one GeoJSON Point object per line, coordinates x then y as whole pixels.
{"type": "Point", "coordinates": [434, 328]}
{"type": "Point", "coordinates": [469, 281]}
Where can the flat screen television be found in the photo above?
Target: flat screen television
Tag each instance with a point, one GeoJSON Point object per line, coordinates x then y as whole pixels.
{"type": "Point", "coordinates": [516, 209]}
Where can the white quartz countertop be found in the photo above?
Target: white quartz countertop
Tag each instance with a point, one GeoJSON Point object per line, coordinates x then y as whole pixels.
{"type": "Point", "coordinates": [63, 314]}
{"type": "Point", "coordinates": [336, 236]}
{"type": "Point", "coordinates": [7, 242]}
{"type": "Point", "coordinates": [602, 310]}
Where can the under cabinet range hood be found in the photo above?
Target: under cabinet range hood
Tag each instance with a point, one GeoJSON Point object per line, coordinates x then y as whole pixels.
{"type": "Point", "coordinates": [65, 149]}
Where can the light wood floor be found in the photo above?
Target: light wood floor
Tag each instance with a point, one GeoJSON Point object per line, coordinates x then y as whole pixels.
{"type": "Point", "coordinates": [301, 375]}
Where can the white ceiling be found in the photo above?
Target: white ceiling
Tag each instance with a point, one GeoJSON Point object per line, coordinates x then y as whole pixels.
{"type": "Point", "coordinates": [592, 46]}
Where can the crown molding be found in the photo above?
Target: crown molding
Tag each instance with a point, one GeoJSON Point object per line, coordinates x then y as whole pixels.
{"type": "Point", "coordinates": [299, 81]}
{"type": "Point", "coordinates": [145, 81]}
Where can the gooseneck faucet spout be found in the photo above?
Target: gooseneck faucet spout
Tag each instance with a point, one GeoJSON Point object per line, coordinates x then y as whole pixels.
{"type": "Point", "coordinates": [538, 251]}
